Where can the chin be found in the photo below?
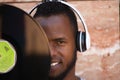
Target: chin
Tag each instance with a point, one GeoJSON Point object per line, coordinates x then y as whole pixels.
{"type": "Point", "coordinates": [61, 74]}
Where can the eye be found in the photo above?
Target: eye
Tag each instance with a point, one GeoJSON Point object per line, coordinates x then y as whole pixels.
{"type": "Point", "coordinates": [60, 42]}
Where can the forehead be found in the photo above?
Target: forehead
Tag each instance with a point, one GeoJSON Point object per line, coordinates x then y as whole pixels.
{"type": "Point", "coordinates": [57, 25]}
{"type": "Point", "coordinates": [54, 19]}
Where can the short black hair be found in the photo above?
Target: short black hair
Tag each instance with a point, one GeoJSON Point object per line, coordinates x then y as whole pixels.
{"type": "Point", "coordinates": [47, 9]}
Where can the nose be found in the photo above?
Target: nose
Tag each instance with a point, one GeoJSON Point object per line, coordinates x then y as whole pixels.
{"type": "Point", "coordinates": [53, 50]}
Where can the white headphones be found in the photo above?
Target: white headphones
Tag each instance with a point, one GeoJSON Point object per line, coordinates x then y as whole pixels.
{"type": "Point", "coordinates": [83, 38]}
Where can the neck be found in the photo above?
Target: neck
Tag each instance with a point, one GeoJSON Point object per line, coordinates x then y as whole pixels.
{"type": "Point", "coordinates": [71, 75]}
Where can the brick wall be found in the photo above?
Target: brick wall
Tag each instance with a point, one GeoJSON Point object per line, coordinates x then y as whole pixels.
{"type": "Point", "coordinates": [102, 60]}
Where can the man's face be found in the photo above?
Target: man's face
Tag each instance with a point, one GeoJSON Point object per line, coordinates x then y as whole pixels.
{"type": "Point", "coordinates": [61, 42]}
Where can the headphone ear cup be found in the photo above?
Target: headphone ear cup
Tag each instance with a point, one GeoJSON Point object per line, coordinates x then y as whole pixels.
{"type": "Point", "coordinates": [81, 41]}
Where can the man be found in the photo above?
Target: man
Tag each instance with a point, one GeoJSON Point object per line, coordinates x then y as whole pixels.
{"type": "Point", "coordinates": [60, 25]}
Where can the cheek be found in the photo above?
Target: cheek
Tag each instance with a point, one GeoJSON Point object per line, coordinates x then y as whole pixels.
{"type": "Point", "coordinates": [67, 51]}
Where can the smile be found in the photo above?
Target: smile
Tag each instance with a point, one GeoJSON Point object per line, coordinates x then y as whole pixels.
{"type": "Point", "coordinates": [54, 64]}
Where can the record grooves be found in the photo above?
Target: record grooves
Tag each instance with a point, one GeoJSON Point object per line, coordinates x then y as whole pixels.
{"type": "Point", "coordinates": [28, 40]}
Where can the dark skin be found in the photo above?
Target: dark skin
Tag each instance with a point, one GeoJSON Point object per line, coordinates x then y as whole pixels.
{"type": "Point", "coordinates": [62, 45]}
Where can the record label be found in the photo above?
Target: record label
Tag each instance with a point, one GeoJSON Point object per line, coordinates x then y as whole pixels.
{"type": "Point", "coordinates": [7, 56]}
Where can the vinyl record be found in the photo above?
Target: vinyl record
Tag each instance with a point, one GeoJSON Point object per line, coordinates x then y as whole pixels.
{"type": "Point", "coordinates": [24, 51]}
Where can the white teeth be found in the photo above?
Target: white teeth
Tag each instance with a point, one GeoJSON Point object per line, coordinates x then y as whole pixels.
{"type": "Point", "coordinates": [53, 64]}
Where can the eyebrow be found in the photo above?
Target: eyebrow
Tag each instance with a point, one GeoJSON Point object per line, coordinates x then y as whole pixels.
{"type": "Point", "coordinates": [59, 39]}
